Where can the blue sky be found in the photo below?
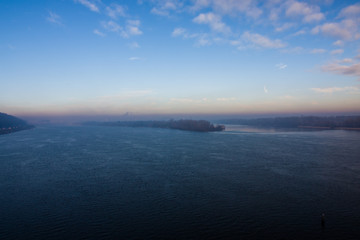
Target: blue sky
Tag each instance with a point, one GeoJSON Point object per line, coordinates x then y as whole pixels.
{"type": "Point", "coordinates": [98, 57]}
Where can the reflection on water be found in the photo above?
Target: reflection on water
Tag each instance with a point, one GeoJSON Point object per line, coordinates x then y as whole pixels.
{"type": "Point", "coordinates": [251, 129]}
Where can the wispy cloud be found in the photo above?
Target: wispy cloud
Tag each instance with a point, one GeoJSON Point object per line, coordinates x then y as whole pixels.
{"type": "Point", "coordinates": [112, 26]}
{"type": "Point", "coordinates": [226, 99]}
{"type": "Point", "coordinates": [135, 58]}
{"type": "Point", "coordinates": [90, 5]}
{"type": "Point", "coordinates": [281, 66]}
{"type": "Point", "coordinates": [114, 11]}
{"type": "Point", "coordinates": [341, 69]}
{"type": "Point", "coordinates": [201, 39]}
{"type": "Point", "coordinates": [54, 18]}
{"type": "Point", "coordinates": [134, 45]}
{"type": "Point", "coordinates": [164, 7]}
{"type": "Point", "coordinates": [350, 11]}
{"type": "Point", "coordinates": [230, 7]}
{"type": "Point", "coordinates": [347, 29]}
{"type": "Point", "coordinates": [133, 27]}
{"type": "Point", "coordinates": [318, 51]}
{"type": "Point", "coordinates": [344, 30]}
{"type": "Point", "coordinates": [284, 27]}
{"type": "Point", "coordinates": [309, 13]}
{"type": "Point", "coordinates": [337, 51]}
{"type": "Point", "coordinates": [178, 32]}
{"type": "Point", "coordinates": [345, 60]}
{"type": "Point", "coordinates": [331, 90]}
{"type": "Point", "coordinates": [262, 41]}
{"type": "Point", "coordinates": [338, 43]}
{"type": "Point", "coordinates": [97, 32]}
{"type": "Point", "coordinates": [214, 21]}
{"type": "Point", "coordinates": [265, 89]}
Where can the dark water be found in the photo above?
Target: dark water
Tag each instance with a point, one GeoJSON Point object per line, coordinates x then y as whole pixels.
{"type": "Point", "coordinates": [144, 183]}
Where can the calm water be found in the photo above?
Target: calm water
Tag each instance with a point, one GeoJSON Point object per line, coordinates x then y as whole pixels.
{"type": "Point", "coordinates": [144, 183]}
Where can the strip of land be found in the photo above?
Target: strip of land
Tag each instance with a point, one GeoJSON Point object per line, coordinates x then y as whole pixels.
{"type": "Point", "coordinates": [187, 125]}
{"type": "Point", "coordinates": [9, 124]}
{"type": "Point", "coordinates": [310, 122]}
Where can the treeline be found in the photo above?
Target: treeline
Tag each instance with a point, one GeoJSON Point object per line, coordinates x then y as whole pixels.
{"type": "Point", "coordinates": [9, 124]}
{"type": "Point", "coordinates": [300, 122]}
{"type": "Point", "coordinates": [187, 125]}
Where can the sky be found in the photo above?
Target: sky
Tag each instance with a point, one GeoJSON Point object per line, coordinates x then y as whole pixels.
{"type": "Point", "coordinates": [100, 57]}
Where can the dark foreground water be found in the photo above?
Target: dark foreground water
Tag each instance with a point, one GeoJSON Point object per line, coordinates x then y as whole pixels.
{"type": "Point", "coordinates": [144, 183]}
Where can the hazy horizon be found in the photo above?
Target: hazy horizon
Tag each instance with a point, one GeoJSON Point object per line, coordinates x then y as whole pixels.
{"type": "Point", "coordinates": [75, 119]}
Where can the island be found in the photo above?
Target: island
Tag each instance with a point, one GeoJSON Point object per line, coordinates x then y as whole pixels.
{"type": "Point", "coordinates": [187, 125]}
{"type": "Point", "coordinates": [9, 124]}
{"type": "Point", "coordinates": [309, 122]}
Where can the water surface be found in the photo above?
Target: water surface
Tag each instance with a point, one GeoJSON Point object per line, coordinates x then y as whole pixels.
{"type": "Point", "coordinates": [146, 183]}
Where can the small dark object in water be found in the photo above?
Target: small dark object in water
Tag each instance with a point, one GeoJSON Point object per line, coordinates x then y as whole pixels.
{"type": "Point", "coordinates": [323, 220]}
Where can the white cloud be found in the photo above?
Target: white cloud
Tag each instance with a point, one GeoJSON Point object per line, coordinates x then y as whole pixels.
{"type": "Point", "coordinates": [54, 18]}
{"type": "Point", "coordinates": [226, 99]}
{"type": "Point", "coordinates": [295, 50]}
{"type": "Point", "coordinates": [163, 7]}
{"type": "Point", "coordinates": [233, 7]}
{"type": "Point", "coordinates": [178, 32]}
{"type": "Point", "coordinates": [133, 27]}
{"type": "Point", "coordinates": [114, 11]}
{"type": "Point", "coordinates": [201, 39]}
{"type": "Point", "coordinates": [337, 51]}
{"type": "Point", "coordinates": [300, 32]}
{"type": "Point", "coordinates": [350, 11]}
{"type": "Point", "coordinates": [88, 4]}
{"type": "Point", "coordinates": [345, 60]}
{"type": "Point", "coordinates": [309, 13]}
{"type": "Point", "coordinates": [287, 97]}
{"type": "Point", "coordinates": [331, 90]}
{"type": "Point", "coordinates": [318, 50]}
{"type": "Point", "coordinates": [112, 26]}
{"type": "Point", "coordinates": [214, 21]}
{"type": "Point", "coordinates": [97, 32]}
{"type": "Point", "coordinates": [134, 58]}
{"type": "Point", "coordinates": [262, 41]}
{"type": "Point", "coordinates": [284, 27]}
{"type": "Point", "coordinates": [160, 12]}
{"type": "Point", "coordinates": [200, 4]}
{"type": "Point", "coordinates": [281, 66]}
{"type": "Point", "coordinates": [265, 89]}
{"type": "Point", "coordinates": [344, 30]}
{"type": "Point", "coordinates": [348, 70]}
{"type": "Point", "coordinates": [338, 43]}
{"type": "Point", "coordinates": [134, 45]}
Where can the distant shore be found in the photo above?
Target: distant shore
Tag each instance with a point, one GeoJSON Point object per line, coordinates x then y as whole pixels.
{"type": "Point", "coordinates": [186, 125]}
{"type": "Point", "coordinates": [10, 124]}
{"type": "Point", "coordinates": [14, 129]}
{"type": "Point", "coordinates": [303, 122]}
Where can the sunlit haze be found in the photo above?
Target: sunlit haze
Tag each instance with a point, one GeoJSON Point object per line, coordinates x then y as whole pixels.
{"type": "Point", "coordinates": [99, 57]}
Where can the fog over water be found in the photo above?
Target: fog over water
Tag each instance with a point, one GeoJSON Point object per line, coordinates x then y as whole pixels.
{"type": "Point", "coordinates": [147, 183]}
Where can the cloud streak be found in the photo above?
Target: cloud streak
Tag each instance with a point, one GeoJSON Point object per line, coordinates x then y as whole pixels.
{"type": "Point", "coordinates": [281, 66]}
{"type": "Point", "coordinates": [97, 32]}
{"type": "Point", "coordinates": [92, 6]}
{"type": "Point", "coordinates": [347, 70]}
{"type": "Point", "coordinates": [265, 90]}
{"type": "Point", "coordinates": [308, 12]}
{"type": "Point", "coordinates": [331, 90]}
{"type": "Point", "coordinates": [114, 11]}
{"type": "Point", "coordinates": [261, 41]}
{"type": "Point", "coordinates": [54, 18]}
{"type": "Point", "coordinates": [214, 21]}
